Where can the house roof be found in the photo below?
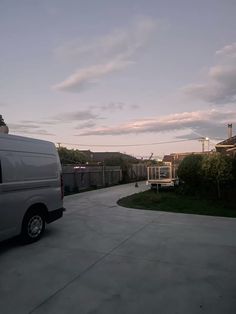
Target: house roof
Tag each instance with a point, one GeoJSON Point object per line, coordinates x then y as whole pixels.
{"type": "Point", "coordinates": [168, 158]}
{"type": "Point", "coordinates": [177, 157]}
{"type": "Point", "coordinates": [101, 156]}
{"type": "Point", "coordinates": [229, 141]}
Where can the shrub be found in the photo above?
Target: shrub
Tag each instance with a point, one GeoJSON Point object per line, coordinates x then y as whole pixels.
{"type": "Point", "coordinates": [217, 169]}
{"type": "Point", "coordinates": [71, 156]}
{"type": "Point", "coordinates": [234, 170]}
{"type": "Point", "coordinates": [190, 173]}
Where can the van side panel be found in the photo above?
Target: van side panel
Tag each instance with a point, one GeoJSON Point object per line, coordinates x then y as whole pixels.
{"type": "Point", "coordinates": [23, 167]}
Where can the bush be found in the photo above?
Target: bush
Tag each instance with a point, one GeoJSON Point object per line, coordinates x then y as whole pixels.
{"type": "Point", "coordinates": [234, 171]}
{"type": "Point", "coordinates": [190, 172]}
{"type": "Point", "coordinates": [217, 169]}
{"type": "Point", "coordinates": [71, 156]}
{"type": "Point", "coordinates": [210, 176]}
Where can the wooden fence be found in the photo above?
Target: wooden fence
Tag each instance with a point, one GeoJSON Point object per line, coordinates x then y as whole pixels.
{"type": "Point", "coordinates": [78, 178]}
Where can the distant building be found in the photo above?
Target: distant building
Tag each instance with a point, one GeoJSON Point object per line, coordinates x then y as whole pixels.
{"type": "Point", "coordinates": [176, 158]}
{"type": "Point", "coordinates": [227, 146]}
{"type": "Point", "coordinates": [98, 157]}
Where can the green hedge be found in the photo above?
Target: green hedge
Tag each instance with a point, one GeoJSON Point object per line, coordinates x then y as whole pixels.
{"type": "Point", "coordinates": [212, 175]}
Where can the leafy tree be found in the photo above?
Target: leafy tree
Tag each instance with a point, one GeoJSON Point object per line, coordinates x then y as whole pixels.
{"type": "Point", "coordinates": [234, 169]}
{"type": "Point", "coordinates": [190, 171]}
{"type": "Point", "coordinates": [119, 160]}
{"type": "Point", "coordinates": [113, 161]}
{"type": "Point", "coordinates": [124, 163]}
{"type": "Point", "coordinates": [71, 156]}
{"type": "Point", "coordinates": [218, 170]}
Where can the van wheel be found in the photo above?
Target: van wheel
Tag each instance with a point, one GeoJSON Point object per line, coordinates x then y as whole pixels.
{"type": "Point", "coordinates": [33, 226]}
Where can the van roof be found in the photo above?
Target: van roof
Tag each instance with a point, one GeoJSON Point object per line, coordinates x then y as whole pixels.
{"type": "Point", "coordinates": [25, 144]}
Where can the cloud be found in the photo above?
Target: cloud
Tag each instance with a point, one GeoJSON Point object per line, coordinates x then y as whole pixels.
{"type": "Point", "coordinates": [199, 121]}
{"type": "Point", "coordinates": [220, 86]}
{"type": "Point", "coordinates": [38, 122]}
{"type": "Point", "coordinates": [33, 129]}
{"type": "Point", "coordinates": [227, 51]}
{"type": "Point", "coordinates": [85, 125]}
{"type": "Point", "coordinates": [114, 106]}
{"type": "Point", "coordinates": [134, 106]}
{"type": "Point", "coordinates": [115, 52]}
{"type": "Point", "coordinates": [118, 106]}
{"type": "Point", "coordinates": [75, 116]}
{"type": "Point", "coordinates": [35, 126]}
{"type": "Point", "coordinates": [119, 42]}
{"type": "Point", "coordinates": [64, 117]}
{"type": "Point", "coordinates": [111, 106]}
{"type": "Point", "coordinates": [81, 79]}
{"type": "Point", "coordinates": [41, 132]}
{"type": "Point", "coordinates": [19, 126]}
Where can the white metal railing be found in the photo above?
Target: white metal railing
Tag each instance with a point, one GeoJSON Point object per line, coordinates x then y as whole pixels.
{"type": "Point", "coordinates": [158, 174]}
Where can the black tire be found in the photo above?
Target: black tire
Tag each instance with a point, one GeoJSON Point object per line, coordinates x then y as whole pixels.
{"type": "Point", "coordinates": [33, 226]}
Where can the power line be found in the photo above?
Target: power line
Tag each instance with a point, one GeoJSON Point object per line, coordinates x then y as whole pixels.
{"type": "Point", "coordinates": [131, 145]}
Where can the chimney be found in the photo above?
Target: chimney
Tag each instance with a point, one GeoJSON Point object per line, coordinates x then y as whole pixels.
{"type": "Point", "coordinates": [230, 130]}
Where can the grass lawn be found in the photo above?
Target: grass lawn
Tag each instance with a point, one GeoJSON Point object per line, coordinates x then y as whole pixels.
{"type": "Point", "coordinates": [171, 201]}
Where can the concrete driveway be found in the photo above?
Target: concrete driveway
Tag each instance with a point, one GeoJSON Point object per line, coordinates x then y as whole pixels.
{"type": "Point", "coordinates": [102, 258]}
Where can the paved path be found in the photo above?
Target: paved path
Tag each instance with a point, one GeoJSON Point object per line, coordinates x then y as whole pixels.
{"type": "Point", "coordinates": [105, 259]}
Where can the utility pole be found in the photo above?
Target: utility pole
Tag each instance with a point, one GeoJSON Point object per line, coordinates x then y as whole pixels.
{"type": "Point", "coordinates": [103, 173]}
{"type": "Point", "coordinates": [208, 144]}
{"type": "Point", "coordinates": [203, 140]}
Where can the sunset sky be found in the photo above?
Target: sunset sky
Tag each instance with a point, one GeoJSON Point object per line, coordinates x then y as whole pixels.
{"type": "Point", "coordinates": [104, 73]}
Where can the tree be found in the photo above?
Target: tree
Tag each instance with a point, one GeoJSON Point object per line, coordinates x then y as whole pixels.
{"type": "Point", "coordinates": [2, 123]}
{"type": "Point", "coordinates": [218, 170]}
{"type": "Point", "coordinates": [71, 156]}
{"type": "Point", "coordinates": [234, 170]}
{"type": "Point", "coordinates": [124, 163]}
{"type": "Point", "coordinates": [3, 127]}
{"type": "Point", "coordinates": [190, 171]}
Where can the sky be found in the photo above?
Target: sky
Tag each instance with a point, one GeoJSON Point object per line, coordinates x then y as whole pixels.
{"type": "Point", "coordinates": [135, 76]}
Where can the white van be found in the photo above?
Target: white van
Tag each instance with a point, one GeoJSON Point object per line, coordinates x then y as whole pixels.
{"type": "Point", "coordinates": [31, 189]}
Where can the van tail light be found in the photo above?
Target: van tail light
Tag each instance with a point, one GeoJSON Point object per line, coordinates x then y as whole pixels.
{"type": "Point", "coordinates": [62, 188]}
